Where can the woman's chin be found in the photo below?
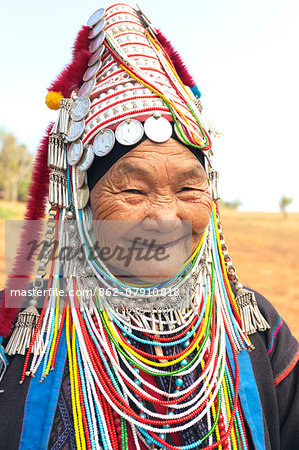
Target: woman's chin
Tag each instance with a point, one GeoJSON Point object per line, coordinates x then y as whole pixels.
{"type": "Point", "coordinates": [152, 271]}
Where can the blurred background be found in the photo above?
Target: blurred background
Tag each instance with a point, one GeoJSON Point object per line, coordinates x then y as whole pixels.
{"type": "Point", "coordinates": [243, 56]}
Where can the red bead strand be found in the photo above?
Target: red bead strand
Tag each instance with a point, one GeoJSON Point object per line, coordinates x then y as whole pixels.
{"type": "Point", "coordinates": [173, 338]}
{"type": "Point", "coordinates": [174, 356]}
{"type": "Point", "coordinates": [116, 398]}
{"type": "Point", "coordinates": [110, 426]}
{"type": "Point", "coordinates": [236, 401]}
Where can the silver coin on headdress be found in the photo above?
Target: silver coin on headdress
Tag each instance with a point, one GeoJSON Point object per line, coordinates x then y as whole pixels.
{"type": "Point", "coordinates": [157, 129]}
{"type": "Point", "coordinates": [96, 56]}
{"type": "Point", "coordinates": [97, 29]}
{"type": "Point", "coordinates": [96, 17]}
{"type": "Point", "coordinates": [76, 130]}
{"type": "Point", "coordinates": [91, 71]}
{"type": "Point", "coordinates": [82, 196]}
{"type": "Point", "coordinates": [103, 142]}
{"type": "Point", "coordinates": [86, 87]}
{"type": "Point", "coordinates": [129, 132]}
{"type": "Point", "coordinates": [75, 152]}
{"type": "Point", "coordinates": [179, 132]}
{"type": "Point", "coordinates": [87, 158]}
{"type": "Point", "coordinates": [87, 215]}
{"type": "Point", "coordinates": [96, 42]}
{"type": "Point", "coordinates": [80, 108]}
{"type": "Point", "coordinates": [80, 178]}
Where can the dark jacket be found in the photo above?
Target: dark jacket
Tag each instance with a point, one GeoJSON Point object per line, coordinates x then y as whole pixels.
{"type": "Point", "coordinates": [275, 367]}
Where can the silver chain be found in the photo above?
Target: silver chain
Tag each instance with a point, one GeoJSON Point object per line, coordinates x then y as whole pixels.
{"type": "Point", "coordinates": [45, 256]}
{"type": "Point", "coordinates": [230, 268]}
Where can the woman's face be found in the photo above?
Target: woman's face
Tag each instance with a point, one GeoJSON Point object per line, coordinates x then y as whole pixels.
{"type": "Point", "coordinates": [155, 195]}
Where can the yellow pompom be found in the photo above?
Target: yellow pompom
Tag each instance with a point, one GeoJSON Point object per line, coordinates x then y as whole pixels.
{"type": "Point", "coordinates": [53, 99]}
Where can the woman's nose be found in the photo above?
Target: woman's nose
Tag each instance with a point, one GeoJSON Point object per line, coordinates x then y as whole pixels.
{"type": "Point", "coordinates": [162, 217]}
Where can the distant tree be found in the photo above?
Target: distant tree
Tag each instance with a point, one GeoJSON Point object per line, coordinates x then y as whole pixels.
{"type": "Point", "coordinates": [284, 202]}
{"type": "Point", "coordinates": [15, 167]}
{"type": "Point", "coordinates": [234, 204]}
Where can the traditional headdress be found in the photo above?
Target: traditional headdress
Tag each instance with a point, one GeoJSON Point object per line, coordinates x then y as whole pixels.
{"type": "Point", "coordinates": [126, 83]}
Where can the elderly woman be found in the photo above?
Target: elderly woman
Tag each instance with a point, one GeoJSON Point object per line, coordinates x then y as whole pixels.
{"type": "Point", "coordinates": [143, 338]}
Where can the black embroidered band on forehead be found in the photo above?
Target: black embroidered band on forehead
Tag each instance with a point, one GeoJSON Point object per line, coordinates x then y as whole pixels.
{"type": "Point", "coordinates": [102, 164]}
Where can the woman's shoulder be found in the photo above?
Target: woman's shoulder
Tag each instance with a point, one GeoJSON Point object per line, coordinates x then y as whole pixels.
{"type": "Point", "coordinates": [278, 342]}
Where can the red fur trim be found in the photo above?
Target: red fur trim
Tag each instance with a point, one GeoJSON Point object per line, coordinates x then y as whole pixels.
{"type": "Point", "coordinates": [71, 76]}
{"type": "Point", "coordinates": [35, 210]}
{"type": "Point", "coordinates": [68, 80]}
{"type": "Point", "coordinates": [176, 59]}
{"type": "Point", "coordinates": [38, 191]}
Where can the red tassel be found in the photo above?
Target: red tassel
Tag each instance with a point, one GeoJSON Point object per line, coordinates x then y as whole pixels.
{"type": "Point", "coordinates": [35, 210]}
{"type": "Point", "coordinates": [176, 60]}
{"type": "Point", "coordinates": [71, 76]}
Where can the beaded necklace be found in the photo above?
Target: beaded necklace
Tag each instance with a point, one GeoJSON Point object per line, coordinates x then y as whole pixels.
{"type": "Point", "coordinates": [140, 364]}
{"type": "Point", "coordinates": [111, 348]}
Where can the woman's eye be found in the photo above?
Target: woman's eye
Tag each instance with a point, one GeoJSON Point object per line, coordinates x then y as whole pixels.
{"type": "Point", "coordinates": [187, 189]}
{"type": "Point", "coordinates": [133, 191]}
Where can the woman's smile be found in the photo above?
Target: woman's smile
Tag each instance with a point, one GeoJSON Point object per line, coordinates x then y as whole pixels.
{"type": "Point", "coordinates": [160, 193]}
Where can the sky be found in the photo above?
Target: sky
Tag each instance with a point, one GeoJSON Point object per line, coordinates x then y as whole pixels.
{"type": "Point", "coordinates": [242, 53]}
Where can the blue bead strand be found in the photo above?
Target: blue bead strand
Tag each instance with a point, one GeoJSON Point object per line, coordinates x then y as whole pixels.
{"type": "Point", "coordinates": [161, 344]}
{"type": "Point", "coordinates": [101, 428]}
{"type": "Point", "coordinates": [126, 332]}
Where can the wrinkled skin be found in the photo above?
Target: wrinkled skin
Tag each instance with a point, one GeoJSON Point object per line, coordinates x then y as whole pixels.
{"type": "Point", "coordinates": [151, 191]}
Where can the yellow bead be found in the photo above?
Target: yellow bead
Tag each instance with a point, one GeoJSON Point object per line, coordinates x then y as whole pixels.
{"type": "Point", "coordinates": [53, 99]}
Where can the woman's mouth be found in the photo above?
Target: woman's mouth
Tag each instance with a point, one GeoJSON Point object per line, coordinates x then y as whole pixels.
{"type": "Point", "coordinates": [153, 244]}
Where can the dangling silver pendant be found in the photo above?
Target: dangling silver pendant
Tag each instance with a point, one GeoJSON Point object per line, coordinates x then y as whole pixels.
{"type": "Point", "coordinates": [23, 331]}
{"type": "Point", "coordinates": [213, 178]}
{"type": "Point", "coordinates": [75, 152]}
{"type": "Point", "coordinates": [157, 128]}
{"type": "Point", "coordinates": [82, 196]}
{"type": "Point", "coordinates": [103, 142]}
{"type": "Point", "coordinates": [80, 108]}
{"type": "Point", "coordinates": [96, 17]}
{"type": "Point", "coordinates": [251, 317]}
{"type": "Point", "coordinates": [87, 158]}
{"type": "Point", "coordinates": [129, 132]}
{"type": "Point", "coordinates": [76, 130]}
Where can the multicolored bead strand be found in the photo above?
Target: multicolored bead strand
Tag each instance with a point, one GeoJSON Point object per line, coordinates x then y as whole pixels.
{"type": "Point", "coordinates": [108, 356]}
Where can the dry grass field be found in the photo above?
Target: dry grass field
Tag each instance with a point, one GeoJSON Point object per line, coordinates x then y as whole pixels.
{"type": "Point", "coordinates": [264, 248]}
